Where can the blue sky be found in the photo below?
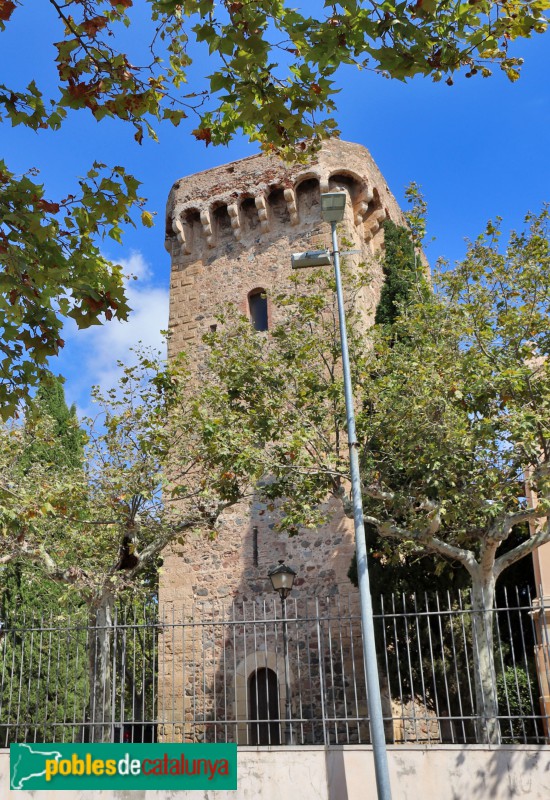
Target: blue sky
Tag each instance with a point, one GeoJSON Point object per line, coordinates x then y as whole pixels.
{"type": "Point", "coordinates": [478, 149]}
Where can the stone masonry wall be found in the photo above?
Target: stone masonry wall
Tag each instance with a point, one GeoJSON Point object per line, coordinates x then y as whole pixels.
{"type": "Point", "coordinates": [229, 231]}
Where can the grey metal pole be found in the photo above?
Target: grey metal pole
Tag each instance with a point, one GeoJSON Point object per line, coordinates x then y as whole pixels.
{"type": "Point", "coordinates": [369, 647]}
{"type": "Point", "coordinates": [288, 711]}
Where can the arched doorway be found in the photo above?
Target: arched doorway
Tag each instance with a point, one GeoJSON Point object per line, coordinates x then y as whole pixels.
{"type": "Point", "coordinates": [263, 705]}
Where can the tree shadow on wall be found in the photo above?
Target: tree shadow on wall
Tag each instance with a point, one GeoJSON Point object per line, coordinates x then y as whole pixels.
{"type": "Point", "coordinates": [510, 771]}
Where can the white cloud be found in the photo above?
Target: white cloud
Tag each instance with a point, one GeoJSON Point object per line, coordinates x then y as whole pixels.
{"type": "Point", "coordinates": [90, 356]}
{"type": "Point", "coordinates": [136, 266]}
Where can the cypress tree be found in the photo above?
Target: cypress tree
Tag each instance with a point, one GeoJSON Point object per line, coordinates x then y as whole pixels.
{"type": "Point", "coordinates": [66, 446]}
{"type": "Point", "coordinates": [400, 272]}
{"type": "Point", "coordinates": [22, 588]}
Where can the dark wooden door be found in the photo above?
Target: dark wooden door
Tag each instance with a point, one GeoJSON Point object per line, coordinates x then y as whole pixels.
{"type": "Point", "coordinates": [263, 703]}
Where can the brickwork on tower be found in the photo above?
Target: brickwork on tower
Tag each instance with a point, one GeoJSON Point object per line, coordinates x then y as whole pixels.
{"type": "Point", "coordinates": [230, 231]}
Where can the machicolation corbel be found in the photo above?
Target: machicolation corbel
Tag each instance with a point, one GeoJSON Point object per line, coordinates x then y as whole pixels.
{"type": "Point", "coordinates": [233, 211]}
{"type": "Point", "coordinates": [290, 198]}
{"type": "Point", "coordinates": [206, 223]}
{"type": "Point", "coordinates": [260, 203]}
{"type": "Point", "coordinates": [362, 207]}
{"type": "Point", "coordinates": [375, 221]}
{"type": "Point", "coordinates": [179, 230]}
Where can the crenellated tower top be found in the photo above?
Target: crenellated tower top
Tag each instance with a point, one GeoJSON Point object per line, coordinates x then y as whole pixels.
{"type": "Point", "coordinates": [262, 182]}
{"type": "Point", "coordinates": [230, 230]}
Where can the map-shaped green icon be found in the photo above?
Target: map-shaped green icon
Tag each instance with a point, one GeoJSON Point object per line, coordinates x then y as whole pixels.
{"type": "Point", "coordinates": [28, 765]}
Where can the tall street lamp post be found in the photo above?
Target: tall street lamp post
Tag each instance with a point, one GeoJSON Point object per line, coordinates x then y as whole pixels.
{"type": "Point", "coordinates": [333, 206]}
{"type": "Point", "coordinates": [282, 580]}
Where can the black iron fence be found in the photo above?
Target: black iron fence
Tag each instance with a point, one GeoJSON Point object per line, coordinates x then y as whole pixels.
{"type": "Point", "coordinates": [217, 673]}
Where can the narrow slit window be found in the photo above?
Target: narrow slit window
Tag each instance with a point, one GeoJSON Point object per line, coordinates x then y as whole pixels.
{"type": "Point", "coordinates": [255, 545]}
{"type": "Point", "coordinates": [257, 306]}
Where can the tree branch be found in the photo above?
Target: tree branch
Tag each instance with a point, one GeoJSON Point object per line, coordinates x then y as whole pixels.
{"type": "Point", "coordinates": [430, 543]}
{"type": "Point", "coordinates": [523, 549]}
{"type": "Point", "coordinates": [39, 555]}
{"type": "Point", "coordinates": [502, 528]}
{"type": "Point", "coordinates": [165, 537]}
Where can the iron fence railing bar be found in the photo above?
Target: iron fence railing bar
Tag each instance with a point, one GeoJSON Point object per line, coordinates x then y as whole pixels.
{"type": "Point", "coordinates": [397, 659]}
{"type": "Point", "coordinates": [153, 674]}
{"type": "Point", "coordinates": [129, 670]}
{"type": "Point", "coordinates": [386, 651]}
{"type": "Point", "coordinates": [37, 687]}
{"type": "Point", "coordinates": [432, 666]}
{"type": "Point", "coordinates": [215, 682]}
{"type": "Point", "coordinates": [113, 636]}
{"type": "Point", "coordinates": [543, 616]}
{"type": "Point", "coordinates": [193, 668]}
{"type": "Point", "coordinates": [504, 674]}
{"type": "Point", "coordinates": [48, 669]}
{"type": "Point", "coordinates": [330, 660]}
{"type": "Point", "coordinates": [163, 660]}
{"type": "Point", "coordinates": [523, 653]}
{"type": "Point", "coordinates": [93, 660]}
{"type": "Point", "coordinates": [145, 682]}
{"type": "Point", "coordinates": [244, 652]}
{"type": "Point", "coordinates": [66, 683]}
{"type": "Point", "coordinates": [4, 638]}
{"type": "Point", "coordinates": [540, 635]}
{"type": "Point", "coordinates": [412, 689]}
{"type": "Point", "coordinates": [353, 671]}
{"type": "Point", "coordinates": [280, 651]}
{"type": "Point", "coordinates": [185, 666]}
{"type": "Point", "coordinates": [55, 651]}
{"type": "Point", "coordinates": [342, 666]}
{"type": "Point", "coordinates": [322, 681]}
{"type": "Point", "coordinates": [455, 662]}
{"type": "Point", "coordinates": [309, 679]}
{"type": "Point", "coordinates": [257, 680]}
{"type": "Point", "coordinates": [233, 632]}
{"type": "Point", "coordinates": [465, 647]}
{"type": "Point", "coordinates": [86, 670]}
{"type": "Point", "coordinates": [224, 673]}
{"type": "Point", "coordinates": [18, 702]}
{"type": "Point", "coordinates": [299, 659]}
{"type": "Point", "coordinates": [448, 702]}
{"type": "Point", "coordinates": [421, 666]}
{"type": "Point", "coordinates": [128, 635]}
{"type": "Point", "coordinates": [204, 633]}
{"type": "Point", "coordinates": [27, 691]}
{"type": "Point", "coordinates": [545, 610]}
{"type": "Point", "coordinates": [75, 682]}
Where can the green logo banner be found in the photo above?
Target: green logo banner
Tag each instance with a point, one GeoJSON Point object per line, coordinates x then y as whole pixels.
{"type": "Point", "coordinates": [122, 766]}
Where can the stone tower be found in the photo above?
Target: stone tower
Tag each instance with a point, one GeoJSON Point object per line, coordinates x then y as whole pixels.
{"type": "Point", "coordinates": [230, 232]}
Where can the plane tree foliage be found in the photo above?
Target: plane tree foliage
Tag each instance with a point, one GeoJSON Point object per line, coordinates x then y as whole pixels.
{"type": "Point", "coordinates": [271, 76]}
{"type": "Point", "coordinates": [95, 526]}
{"type": "Point", "coordinates": [452, 411]}
{"type": "Point", "coordinates": [452, 414]}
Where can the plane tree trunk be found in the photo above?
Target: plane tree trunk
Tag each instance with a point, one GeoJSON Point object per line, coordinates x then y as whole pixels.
{"type": "Point", "coordinates": [100, 645]}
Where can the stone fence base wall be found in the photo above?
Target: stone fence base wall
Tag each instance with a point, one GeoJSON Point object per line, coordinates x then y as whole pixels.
{"type": "Point", "coordinates": [347, 773]}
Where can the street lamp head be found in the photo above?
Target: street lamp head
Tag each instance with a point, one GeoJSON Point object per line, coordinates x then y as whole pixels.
{"type": "Point", "coordinates": [282, 579]}
{"type": "Point", "coordinates": [333, 206]}
{"type": "Point", "coordinates": [311, 258]}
